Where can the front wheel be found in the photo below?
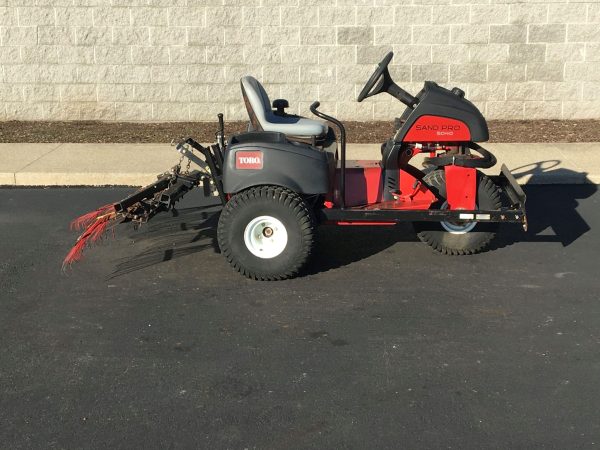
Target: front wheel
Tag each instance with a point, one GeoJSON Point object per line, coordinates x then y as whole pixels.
{"type": "Point", "coordinates": [460, 237]}
{"type": "Point", "coordinates": [266, 233]}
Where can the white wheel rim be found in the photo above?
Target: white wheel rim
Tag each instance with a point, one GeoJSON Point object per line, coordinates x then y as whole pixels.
{"type": "Point", "coordinates": [265, 237]}
{"type": "Point", "coordinates": [457, 227]}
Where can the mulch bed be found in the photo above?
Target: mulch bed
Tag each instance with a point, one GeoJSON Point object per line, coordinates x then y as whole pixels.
{"type": "Point", "coordinates": [358, 132]}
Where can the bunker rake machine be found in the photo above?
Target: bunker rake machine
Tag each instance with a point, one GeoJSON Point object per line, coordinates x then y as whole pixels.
{"type": "Point", "coordinates": [287, 174]}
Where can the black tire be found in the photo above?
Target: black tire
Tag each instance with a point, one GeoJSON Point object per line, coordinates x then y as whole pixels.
{"type": "Point", "coordinates": [243, 209]}
{"type": "Point", "coordinates": [470, 242]}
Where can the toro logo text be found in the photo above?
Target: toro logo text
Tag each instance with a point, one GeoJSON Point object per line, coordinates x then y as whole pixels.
{"type": "Point", "coordinates": [249, 160]}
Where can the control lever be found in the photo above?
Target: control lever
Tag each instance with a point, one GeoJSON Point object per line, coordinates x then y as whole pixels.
{"type": "Point", "coordinates": [221, 132]}
{"type": "Point", "coordinates": [340, 125]}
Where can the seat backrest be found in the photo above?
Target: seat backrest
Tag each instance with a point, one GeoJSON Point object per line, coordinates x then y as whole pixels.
{"type": "Point", "coordinates": [257, 102]}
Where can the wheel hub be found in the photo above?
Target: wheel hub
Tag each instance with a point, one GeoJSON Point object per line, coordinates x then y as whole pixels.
{"type": "Point", "coordinates": [456, 227]}
{"type": "Point", "coordinates": [265, 237]}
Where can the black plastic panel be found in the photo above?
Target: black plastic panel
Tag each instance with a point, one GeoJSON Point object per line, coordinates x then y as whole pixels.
{"type": "Point", "coordinates": [258, 136]}
{"type": "Point", "coordinates": [299, 167]}
{"type": "Point", "coordinates": [435, 100]}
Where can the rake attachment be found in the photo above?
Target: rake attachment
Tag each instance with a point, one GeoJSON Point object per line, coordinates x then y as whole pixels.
{"type": "Point", "coordinates": [96, 223]}
{"type": "Point", "coordinates": [162, 195]}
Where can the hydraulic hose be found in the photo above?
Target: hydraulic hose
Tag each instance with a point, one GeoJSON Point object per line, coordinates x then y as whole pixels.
{"type": "Point", "coordinates": [488, 160]}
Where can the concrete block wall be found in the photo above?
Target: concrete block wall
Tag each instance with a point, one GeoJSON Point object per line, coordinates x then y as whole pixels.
{"type": "Point", "coordinates": [178, 60]}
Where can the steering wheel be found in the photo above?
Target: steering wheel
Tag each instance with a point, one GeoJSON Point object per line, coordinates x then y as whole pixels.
{"type": "Point", "coordinates": [377, 78]}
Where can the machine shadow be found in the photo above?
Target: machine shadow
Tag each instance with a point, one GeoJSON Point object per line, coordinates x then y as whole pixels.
{"type": "Point", "coordinates": [183, 232]}
{"type": "Point", "coordinates": [193, 230]}
{"type": "Point", "coordinates": [338, 246]}
{"type": "Point", "coordinates": [550, 206]}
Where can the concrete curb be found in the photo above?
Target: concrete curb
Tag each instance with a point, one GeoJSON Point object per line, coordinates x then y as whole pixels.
{"type": "Point", "coordinates": [138, 164]}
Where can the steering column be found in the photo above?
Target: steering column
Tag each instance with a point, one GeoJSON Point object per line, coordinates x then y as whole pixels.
{"type": "Point", "coordinates": [381, 81]}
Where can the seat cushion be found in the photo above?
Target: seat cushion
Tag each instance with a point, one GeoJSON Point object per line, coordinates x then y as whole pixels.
{"type": "Point", "coordinates": [262, 116]}
{"type": "Point", "coordinates": [296, 126]}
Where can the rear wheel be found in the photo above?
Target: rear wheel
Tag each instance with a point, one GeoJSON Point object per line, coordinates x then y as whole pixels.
{"type": "Point", "coordinates": [460, 237]}
{"type": "Point", "coordinates": [266, 233]}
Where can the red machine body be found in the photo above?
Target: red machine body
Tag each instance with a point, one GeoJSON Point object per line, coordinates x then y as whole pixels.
{"type": "Point", "coordinates": [364, 189]}
{"type": "Point", "coordinates": [364, 183]}
{"type": "Point", "coordinates": [461, 187]}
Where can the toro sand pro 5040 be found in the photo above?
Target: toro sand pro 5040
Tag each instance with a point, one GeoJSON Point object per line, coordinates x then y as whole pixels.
{"type": "Point", "coordinates": [281, 179]}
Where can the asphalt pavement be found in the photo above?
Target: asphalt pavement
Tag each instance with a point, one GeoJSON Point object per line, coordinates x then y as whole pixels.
{"type": "Point", "coordinates": [152, 341]}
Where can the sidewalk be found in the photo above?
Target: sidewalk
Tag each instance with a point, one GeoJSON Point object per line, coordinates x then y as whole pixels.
{"type": "Point", "coordinates": [138, 164]}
